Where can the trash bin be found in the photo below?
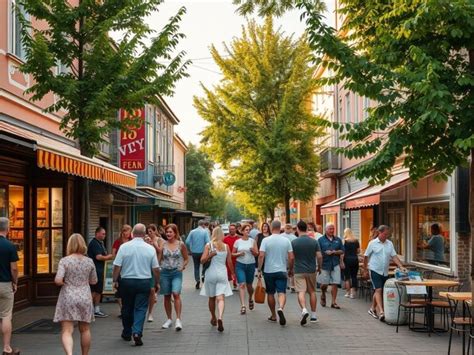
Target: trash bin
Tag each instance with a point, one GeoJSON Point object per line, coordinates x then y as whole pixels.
{"type": "Point", "coordinates": [391, 300]}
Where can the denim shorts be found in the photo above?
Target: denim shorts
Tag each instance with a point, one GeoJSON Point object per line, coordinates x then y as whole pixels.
{"type": "Point", "coordinates": [377, 280]}
{"type": "Point", "coordinates": [275, 282]}
{"type": "Point", "coordinates": [171, 281]}
{"type": "Point", "coordinates": [245, 273]}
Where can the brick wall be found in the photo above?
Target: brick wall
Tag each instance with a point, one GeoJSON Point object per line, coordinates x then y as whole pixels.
{"type": "Point", "coordinates": [464, 260]}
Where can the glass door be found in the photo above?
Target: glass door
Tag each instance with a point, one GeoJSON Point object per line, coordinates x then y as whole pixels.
{"type": "Point", "coordinates": [17, 216]}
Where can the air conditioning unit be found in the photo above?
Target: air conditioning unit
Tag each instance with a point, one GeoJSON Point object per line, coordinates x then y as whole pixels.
{"type": "Point", "coordinates": [330, 163]}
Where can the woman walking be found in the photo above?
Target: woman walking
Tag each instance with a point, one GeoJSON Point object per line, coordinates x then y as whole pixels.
{"type": "Point", "coordinates": [155, 240]}
{"type": "Point", "coordinates": [76, 272]}
{"type": "Point", "coordinates": [265, 232]}
{"type": "Point", "coordinates": [351, 262]}
{"type": "Point", "coordinates": [173, 257]}
{"type": "Point", "coordinates": [125, 236]}
{"type": "Point", "coordinates": [216, 285]}
{"type": "Point", "coordinates": [245, 249]}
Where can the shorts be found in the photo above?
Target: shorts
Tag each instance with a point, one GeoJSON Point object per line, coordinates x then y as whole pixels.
{"type": "Point", "coordinates": [377, 280]}
{"type": "Point", "coordinates": [245, 273]}
{"type": "Point", "coordinates": [99, 286]}
{"type": "Point", "coordinates": [6, 300]}
{"type": "Point", "coordinates": [275, 282]}
{"type": "Point", "coordinates": [171, 281]}
{"type": "Point", "coordinates": [305, 282]}
{"type": "Point", "coordinates": [332, 277]}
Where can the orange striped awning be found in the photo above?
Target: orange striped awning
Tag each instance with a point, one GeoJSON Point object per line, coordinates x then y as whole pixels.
{"type": "Point", "coordinates": [61, 154]}
{"type": "Point", "coordinates": [89, 168]}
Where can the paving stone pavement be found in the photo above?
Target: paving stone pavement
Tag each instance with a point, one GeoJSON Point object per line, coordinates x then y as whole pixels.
{"type": "Point", "coordinates": [347, 331]}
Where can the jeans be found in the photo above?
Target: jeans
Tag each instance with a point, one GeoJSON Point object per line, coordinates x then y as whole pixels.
{"type": "Point", "coordinates": [135, 294]}
{"type": "Point", "coordinates": [197, 265]}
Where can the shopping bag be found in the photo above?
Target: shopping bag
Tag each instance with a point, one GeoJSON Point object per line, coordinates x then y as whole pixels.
{"type": "Point", "coordinates": [259, 292]}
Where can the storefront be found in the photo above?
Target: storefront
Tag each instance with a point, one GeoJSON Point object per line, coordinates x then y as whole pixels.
{"type": "Point", "coordinates": [40, 192]}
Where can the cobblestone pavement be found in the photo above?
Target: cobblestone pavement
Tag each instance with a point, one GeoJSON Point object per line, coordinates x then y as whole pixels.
{"type": "Point", "coordinates": [347, 331]}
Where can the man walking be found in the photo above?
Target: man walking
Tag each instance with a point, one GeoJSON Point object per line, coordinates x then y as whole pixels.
{"type": "Point", "coordinates": [306, 250]}
{"type": "Point", "coordinates": [254, 230]}
{"type": "Point", "coordinates": [135, 263]}
{"type": "Point", "coordinates": [196, 241]}
{"type": "Point", "coordinates": [8, 284]}
{"type": "Point", "coordinates": [230, 241]}
{"type": "Point", "coordinates": [97, 252]}
{"type": "Point", "coordinates": [378, 255]}
{"type": "Point", "coordinates": [288, 234]}
{"type": "Point", "coordinates": [277, 253]}
{"type": "Point", "coordinates": [332, 250]}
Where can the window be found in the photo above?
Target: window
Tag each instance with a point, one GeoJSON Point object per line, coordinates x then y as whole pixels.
{"type": "Point", "coordinates": [348, 107]}
{"type": "Point", "coordinates": [16, 46]}
{"type": "Point", "coordinates": [16, 214]}
{"type": "Point", "coordinates": [49, 229]}
{"type": "Point", "coordinates": [157, 134]}
{"type": "Point", "coordinates": [61, 68]}
{"type": "Point", "coordinates": [366, 107]}
{"type": "Point", "coordinates": [151, 149]}
{"type": "Point", "coordinates": [356, 108]}
{"type": "Point", "coordinates": [339, 118]}
{"type": "Point", "coordinates": [431, 233]}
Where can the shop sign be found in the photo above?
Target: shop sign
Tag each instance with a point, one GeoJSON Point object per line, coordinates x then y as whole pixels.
{"type": "Point", "coordinates": [132, 144]}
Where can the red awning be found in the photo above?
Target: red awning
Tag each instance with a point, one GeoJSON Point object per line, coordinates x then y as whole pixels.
{"type": "Point", "coordinates": [334, 206]}
{"type": "Point", "coordinates": [371, 196]}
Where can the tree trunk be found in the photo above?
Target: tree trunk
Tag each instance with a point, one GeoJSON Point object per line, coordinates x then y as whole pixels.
{"type": "Point", "coordinates": [471, 216]}
{"type": "Point", "coordinates": [287, 207]}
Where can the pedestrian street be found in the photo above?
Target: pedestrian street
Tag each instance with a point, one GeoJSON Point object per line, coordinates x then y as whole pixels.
{"type": "Point", "coordinates": [347, 331]}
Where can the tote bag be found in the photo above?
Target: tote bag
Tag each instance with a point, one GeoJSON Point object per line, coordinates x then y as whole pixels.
{"type": "Point", "coordinates": [259, 292]}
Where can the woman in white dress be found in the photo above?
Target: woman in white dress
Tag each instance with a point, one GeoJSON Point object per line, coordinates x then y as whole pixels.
{"type": "Point", "coordinates": [216, 285]}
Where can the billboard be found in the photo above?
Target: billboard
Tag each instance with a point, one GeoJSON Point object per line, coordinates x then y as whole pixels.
{"type": "Point", "coordinates": [132, 144]}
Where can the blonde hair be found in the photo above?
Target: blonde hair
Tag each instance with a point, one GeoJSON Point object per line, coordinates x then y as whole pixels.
{"type": "Point", "coordinates": [76, 245]}
{"type": "Point", "coordinates": [217, 238]}
{"type": "Point", "coordinates": [348, 234]}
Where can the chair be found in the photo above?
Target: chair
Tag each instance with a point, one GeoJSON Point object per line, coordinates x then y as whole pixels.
{"type": "Point", "coordinates": [443, 306]}
{"type": "Point", "coordinates": [459, 324]}
{"type": "Point", "coordinates": [411, 308]}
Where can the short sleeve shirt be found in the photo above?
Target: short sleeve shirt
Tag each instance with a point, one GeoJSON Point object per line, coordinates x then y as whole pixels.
{"type": "Point", "coordinates": [137, 259]}
{"type": "Point", "coordinates": [245, 246]}
{"type": "Point", "coordinates": [8, 254]}
{"type": "Point", "coordinates": [330, 261]}
{"type": "Point", "coordinates": [118, 242]}
{"type": "Point", "coordinates": [305, 249]}
{"type": "Point", "coordinates": [379, 255]}
{"type": "Point", "coordinates": [276, 249]}
{"type": "Point", "coordinates": [97, 247]}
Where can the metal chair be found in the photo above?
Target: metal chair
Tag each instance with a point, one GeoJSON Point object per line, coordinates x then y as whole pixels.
{"type": "Point", "coordinates": [443, 306]}
{"type": "Point", "coordinates": [459, 324]}
{"type": "Point", "coordinates": [410, 308]}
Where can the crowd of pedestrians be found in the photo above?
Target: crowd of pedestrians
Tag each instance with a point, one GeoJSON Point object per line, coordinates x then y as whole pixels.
{"type": "Point", "coordinates": [148, 260]}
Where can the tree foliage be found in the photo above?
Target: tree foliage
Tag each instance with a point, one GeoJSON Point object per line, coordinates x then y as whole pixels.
{"type": "Point", "coordinates": [198, 179]}
{"type": "Point", "coordinates": [261, 130]}
{"type": "Point", "coordinates": [103, 76]}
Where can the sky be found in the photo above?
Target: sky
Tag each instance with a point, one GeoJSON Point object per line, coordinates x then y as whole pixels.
{"type": "Point", "coordinates": [206, 22]}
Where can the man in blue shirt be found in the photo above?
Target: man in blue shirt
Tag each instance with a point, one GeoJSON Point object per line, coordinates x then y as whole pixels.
{"type": "Point", "coordinates": [333, 256]}
{"type": "Point", "coordinates": [196, 241]}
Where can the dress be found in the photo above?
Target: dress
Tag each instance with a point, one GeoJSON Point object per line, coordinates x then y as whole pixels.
{"type": "Point", "coordinates": [216, 282]}
{"type": "Point", "coordinates": [75, 299]}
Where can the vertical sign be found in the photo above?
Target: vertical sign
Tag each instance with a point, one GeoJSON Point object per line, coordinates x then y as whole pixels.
{"type": "Point", "coordinates": [132, 144]}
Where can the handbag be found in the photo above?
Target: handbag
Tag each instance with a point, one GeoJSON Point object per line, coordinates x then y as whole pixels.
{"type": "Point", "coordinates": [206, 265]}
{"type": "Point", "coordinates": [259, 292]}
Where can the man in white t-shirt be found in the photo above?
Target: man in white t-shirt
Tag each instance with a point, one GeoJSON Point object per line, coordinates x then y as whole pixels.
{"type": "Point", "coordinates": [277, 252]}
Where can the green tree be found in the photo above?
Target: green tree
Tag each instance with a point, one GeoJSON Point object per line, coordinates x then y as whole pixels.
{"type": "Point", "coordinates": [104, 76]}
{"type": "Point", "coordinates": [261, 130]}
{"type": "Point", "coordinates": [198, 179]}
{"type": "Point", "coordinates": [415, 59]}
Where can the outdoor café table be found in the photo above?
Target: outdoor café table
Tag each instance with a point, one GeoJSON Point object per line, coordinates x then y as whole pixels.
{"type": "Point", "coordinates": [430, 283]}
{"type": "Point", "coordinates": [466, 299]}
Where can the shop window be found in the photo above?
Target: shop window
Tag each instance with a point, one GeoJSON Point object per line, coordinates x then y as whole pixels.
{"type": "Point", "coordinates": [431, 233]}
{"type": "Point", "coordinates": [49, 229]}
{"type": "Point", "coordinates": [396, 221]}
{"type": "Point", "coordinates": [16, 213]}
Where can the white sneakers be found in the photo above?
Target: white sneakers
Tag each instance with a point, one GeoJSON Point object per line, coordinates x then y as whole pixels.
{"type": "Point", "coordinates": [150, 318]}
{"type": "Point", "coordinates": [169, 323]}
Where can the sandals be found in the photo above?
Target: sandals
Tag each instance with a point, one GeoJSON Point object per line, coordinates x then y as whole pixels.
{"type": "Point", "coordinates": [243, 310]}
{"type": "Point", "coordinates": [220, 325]}
{"type": "Point", "coordinates": [213, 322]}
{"type": "Point", "coordinates": [335, 306]}
{"type": "Point", "coordinates": [271, 319]}
{"type": "Point", "coordinates": [251, 305]}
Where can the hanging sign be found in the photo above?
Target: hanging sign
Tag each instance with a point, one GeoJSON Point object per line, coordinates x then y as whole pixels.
{"type": "Point", "coordinates": [132, 144]}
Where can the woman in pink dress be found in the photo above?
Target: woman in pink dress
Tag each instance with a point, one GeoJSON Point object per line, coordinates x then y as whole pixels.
{"type": "Point", "coordinates": [76, 272]}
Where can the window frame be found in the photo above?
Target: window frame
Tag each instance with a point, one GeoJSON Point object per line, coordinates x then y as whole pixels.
{"type": "Point", "coordinates": [12, 33]}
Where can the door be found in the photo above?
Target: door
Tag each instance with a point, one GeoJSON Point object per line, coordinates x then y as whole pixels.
{"type": "Point", "coordinates": [396, 220]}
{"type": "Point", "coordinates": [366, 223]}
